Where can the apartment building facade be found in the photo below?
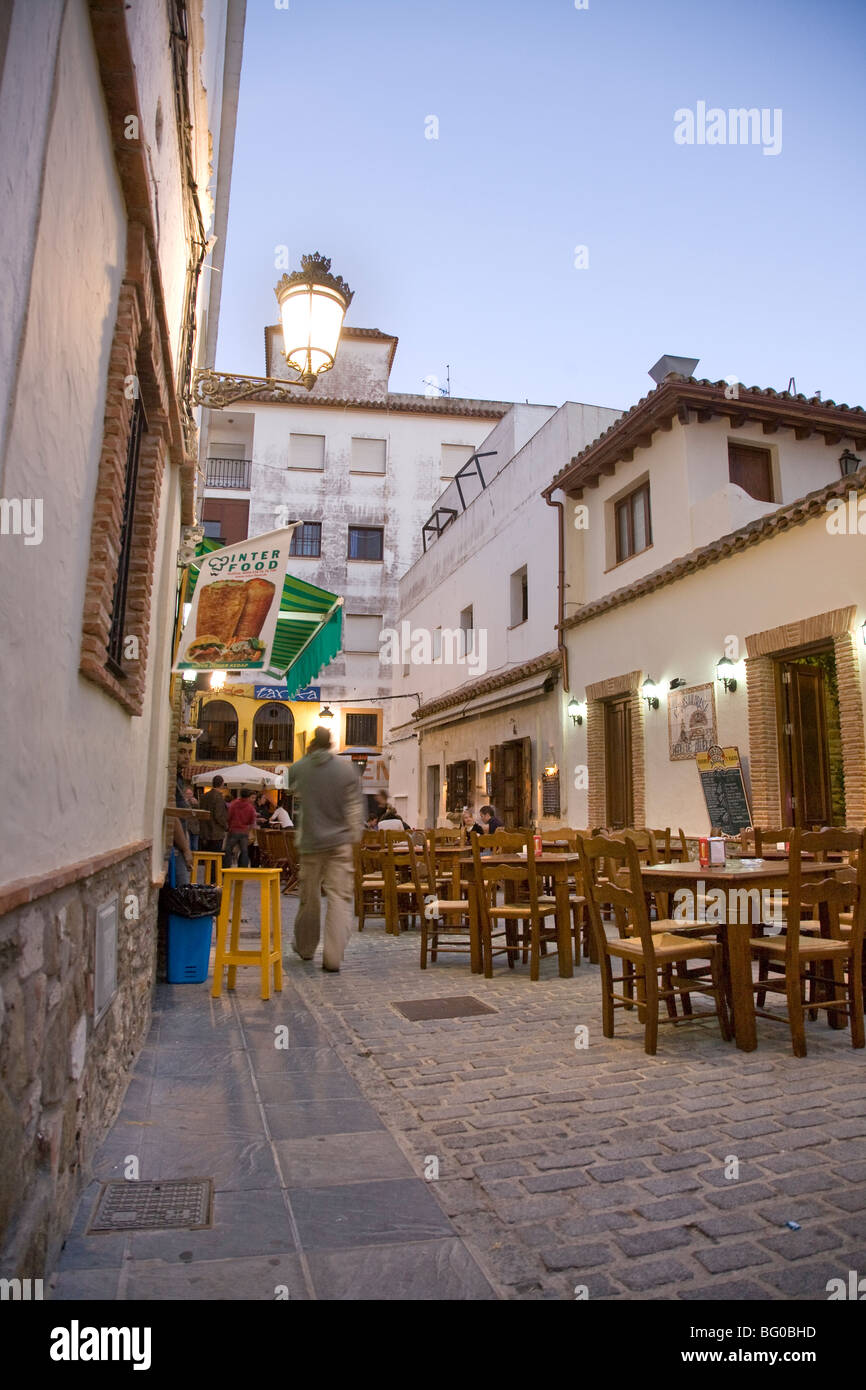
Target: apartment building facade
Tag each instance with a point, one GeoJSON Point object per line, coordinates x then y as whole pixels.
{"type": "Point", "coordinates": [360, 467]}
{"type": "Point", "coordinates": [476, 635]}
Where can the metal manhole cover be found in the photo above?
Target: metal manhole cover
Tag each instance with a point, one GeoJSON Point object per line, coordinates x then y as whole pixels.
{"type": "Point", "coordinates": [458, 1006]}
{"type": "Point", "coordinates": [177, 1204]}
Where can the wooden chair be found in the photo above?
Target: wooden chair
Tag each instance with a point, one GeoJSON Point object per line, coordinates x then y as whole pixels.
{"type": "Point", "coordinates": [454, 919]}
{"type": "Point", "coordinates": [564, 841]}
{"type": "Point", "coordinates": [650, 955]}
{"type": "Point", "coordinates": [278, 852]}
{"type": "Point", "coordinates": [369, 878]}
{"type": "Point", "coordinates": [758, 838]}
{"type": "Point", "coordinates": [830, 957]}
{"type": "Point", "coordinates": [662, 841]}
{"type": "Point", "coordinates": [445, 835]}
{"type": "Point", "coordinates": [402, 902]}
{"type": "Point", "coordinates": [525, 915]}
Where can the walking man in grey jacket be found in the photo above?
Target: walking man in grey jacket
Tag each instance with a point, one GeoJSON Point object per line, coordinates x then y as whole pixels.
{"type": "Point", "coordinates": [330, 823]}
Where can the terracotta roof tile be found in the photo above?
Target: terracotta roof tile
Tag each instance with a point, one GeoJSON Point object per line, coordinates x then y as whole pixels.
{"type": "Point", "coordinates": [681, 394]}
{"type": "Point", "coordinates": [472, 689]}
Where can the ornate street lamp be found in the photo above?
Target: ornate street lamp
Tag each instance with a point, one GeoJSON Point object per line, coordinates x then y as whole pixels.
{"type": "Point", "coordinates": [313, 304]}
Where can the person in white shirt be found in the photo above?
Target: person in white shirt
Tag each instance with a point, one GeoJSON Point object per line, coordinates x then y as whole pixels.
{"type": "Point", "coordinates": [281, 818]}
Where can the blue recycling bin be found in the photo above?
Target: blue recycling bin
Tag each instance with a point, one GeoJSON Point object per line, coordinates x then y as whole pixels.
{"type": "Point", "coordinates": [189, 942]}
{"type": "Point", "coordinates": [189, 937]}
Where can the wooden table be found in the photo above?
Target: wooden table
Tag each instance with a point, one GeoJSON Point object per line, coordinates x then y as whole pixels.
{"type": "Point", "coordinates": [759, 874]}
{"type": "Point", "coordinates": [559, 867]}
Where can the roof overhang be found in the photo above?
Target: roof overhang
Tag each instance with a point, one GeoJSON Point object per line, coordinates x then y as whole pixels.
{"type": "Point", "coordinates": [690, 401]}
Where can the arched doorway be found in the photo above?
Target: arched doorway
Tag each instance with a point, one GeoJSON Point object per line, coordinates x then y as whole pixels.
{"type": "Point", "coordinates": [219, 738]}
{"type": "Point", "coordinates": [273, 734]}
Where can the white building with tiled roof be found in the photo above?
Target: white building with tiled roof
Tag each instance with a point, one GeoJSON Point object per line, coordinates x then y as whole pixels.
{"type": "Point", "coordinates": [361, 467]}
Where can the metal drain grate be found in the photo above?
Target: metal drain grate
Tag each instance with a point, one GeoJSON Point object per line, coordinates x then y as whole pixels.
{"type": "Point", "coordinates": [458, 1006]}
{"type": "Point", "coordinates": [179, 1204]}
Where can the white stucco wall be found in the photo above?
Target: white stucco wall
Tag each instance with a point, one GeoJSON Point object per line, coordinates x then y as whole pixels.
{"type": "Point", "coordinates": [91, 777]}
{"type": "Point", "coordinates": [681, 630]}
{"type": "Point", "coordinates": [692, 499]}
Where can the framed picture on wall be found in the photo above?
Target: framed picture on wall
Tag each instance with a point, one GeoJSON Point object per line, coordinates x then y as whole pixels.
{"type": "Point", "coordinates": [691, 721]}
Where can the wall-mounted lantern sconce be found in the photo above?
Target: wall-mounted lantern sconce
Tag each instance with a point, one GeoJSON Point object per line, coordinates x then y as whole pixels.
{"type": "Point", "coordinates": [486, 764]}
{"type": "Point", "coordinates": [576, 710]}
{"type": "Point", "coordinates": [648, 690]}
{"type": "Point", "coordinates": [849, 463]}
{"type": "Point", "coordinates": [326, 714]}
{"type": "Point", "coordinates": [677, 683]}
{"type": "Point", "coordinates": [723, 673]}
{"type": "Point", "coordinates": [863, 633]}
{"type": "Point", "coordinates": [217, 680]}
{"type": "Point", "coordinates": [551, 770]}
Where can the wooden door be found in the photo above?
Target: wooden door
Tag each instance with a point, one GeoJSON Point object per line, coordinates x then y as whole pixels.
{"type": "Point", "coordinates": [805, 760]}
{"type": "Point", "coordinates": [516, 782]}
{"type": "Point", "coordinates": [619, 787]}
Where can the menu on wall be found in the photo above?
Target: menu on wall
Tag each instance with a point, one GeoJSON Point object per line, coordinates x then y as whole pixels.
{"type": "Point", "coordinates": [724, 789]}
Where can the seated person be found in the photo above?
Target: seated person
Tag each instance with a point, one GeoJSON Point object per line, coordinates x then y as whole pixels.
{"type": "Point", "coordinates": [470, 826]}
{"type": "Point", "coordinates": [490, 820]}
{"type": "Point", "coordinates": [281, 819]}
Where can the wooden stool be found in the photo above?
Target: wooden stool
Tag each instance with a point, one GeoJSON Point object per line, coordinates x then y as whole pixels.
{"type": "Point", "coordinates": [213, 866]}
{"type": "Point", "coordinates": [228, 952]}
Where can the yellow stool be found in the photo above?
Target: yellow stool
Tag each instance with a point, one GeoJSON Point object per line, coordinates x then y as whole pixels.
{"type": "Point", "coordinates": [213, 867]}
{"type": "Point", "coordinates": [228, 952]}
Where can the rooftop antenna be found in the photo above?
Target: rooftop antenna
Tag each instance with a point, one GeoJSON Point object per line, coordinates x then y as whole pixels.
{"type": "Point", "coordinates": [792, 386]}
{"type": "Point", "coordinates": [432, 382]}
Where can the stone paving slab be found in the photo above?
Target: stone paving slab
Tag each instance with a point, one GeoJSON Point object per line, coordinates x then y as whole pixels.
{"type": "Point", "coordinates": [485, 1156]}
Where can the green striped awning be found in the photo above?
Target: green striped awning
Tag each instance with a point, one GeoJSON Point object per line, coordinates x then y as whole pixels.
{"type": "Point", "coordinates": [309, 628]}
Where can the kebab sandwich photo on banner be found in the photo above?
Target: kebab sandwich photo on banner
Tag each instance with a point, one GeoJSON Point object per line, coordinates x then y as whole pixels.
{"type": "Point", "coordinates": [233, 617]}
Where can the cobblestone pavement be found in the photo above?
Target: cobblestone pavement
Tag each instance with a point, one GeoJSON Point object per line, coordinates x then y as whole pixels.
{"type": "Point", "coordinates": [603, 1167]}
{"type": "Point", "coordinates": [563, 1172]}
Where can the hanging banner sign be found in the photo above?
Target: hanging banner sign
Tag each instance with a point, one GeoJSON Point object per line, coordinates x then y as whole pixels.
{"type": "Point", "coordinates": [233, 618]}
{"type": "Point", "coordinates": [281, 692]}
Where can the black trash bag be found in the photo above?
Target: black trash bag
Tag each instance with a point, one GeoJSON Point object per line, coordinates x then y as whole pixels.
{"type": "Point", "coordinates": [191, 900]}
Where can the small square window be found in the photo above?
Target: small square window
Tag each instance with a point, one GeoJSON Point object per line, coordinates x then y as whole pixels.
{"type": "Point", "coordinates": [307, 451]}
{"type": "Point", "coordinates": [368, 455]}
{"type": "Point", "coordinates": [633, 523]}
{"type": "Point", "coordinates": [366, 542]}
{"type": "Point", "coordinates": [751, 468]}
{"type": "Point", "coordinates": [519, 596]}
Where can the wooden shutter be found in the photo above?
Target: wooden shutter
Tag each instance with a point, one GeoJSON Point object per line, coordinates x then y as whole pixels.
{"type": "Point", "coordinates": [496, 786]}
{"type": "Point", "coordinates": [751, 469]}
{"type": "Point", "coordinates": [471, 789]}
{"type": "Point", "coordinates": [449, 779]}
{"type": "Point", "coordinates": [528, 788]}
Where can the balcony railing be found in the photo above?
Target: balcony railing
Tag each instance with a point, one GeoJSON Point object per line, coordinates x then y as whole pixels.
{"type": "Point", "coordinates": [228, 473]}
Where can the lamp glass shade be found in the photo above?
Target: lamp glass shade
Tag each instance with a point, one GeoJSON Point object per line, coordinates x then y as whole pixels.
{"type": "Point", "coordinates": [312, 318]}
{"type": "Point", "coordinates": [724, 667]}
{"type": "Point", "coordinates": [573, 707]}
{"type": "Point", "coordinates": [649, 686]}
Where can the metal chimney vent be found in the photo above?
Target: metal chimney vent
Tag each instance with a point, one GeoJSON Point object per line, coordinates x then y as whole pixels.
{"type": "Point", "coordinates": [683, 366]}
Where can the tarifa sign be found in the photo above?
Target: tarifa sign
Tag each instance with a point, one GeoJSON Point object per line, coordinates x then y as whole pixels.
{"type": "Point", "coordinates": [233, 617]}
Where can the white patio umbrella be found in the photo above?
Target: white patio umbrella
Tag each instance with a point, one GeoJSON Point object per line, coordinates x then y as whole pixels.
{"type": "Point", "coordinates": [242, 775]}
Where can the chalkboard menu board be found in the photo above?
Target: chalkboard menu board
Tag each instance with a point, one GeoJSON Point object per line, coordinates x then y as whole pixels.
{"type": "Point", "coordinates": [724, 789]}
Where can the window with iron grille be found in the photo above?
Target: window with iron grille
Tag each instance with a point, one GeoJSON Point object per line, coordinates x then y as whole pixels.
{"type": "Point", "coordinates": [307, 539]}
{"type": "Point", "coordinates": [362, 730]}
{"type": "Point", "coordinates": [459, 786]}
{"type": "Point", "coordinates": [138, 426]}
{"type": "Point", "coordinates": [366, 542]}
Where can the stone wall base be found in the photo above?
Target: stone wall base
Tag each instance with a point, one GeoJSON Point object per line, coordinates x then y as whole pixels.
{"type": "Point", "coordinates": [63, 1076]}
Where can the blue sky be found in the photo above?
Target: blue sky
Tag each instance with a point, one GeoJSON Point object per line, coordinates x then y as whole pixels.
{"type": "Point", "coordinates": [556, 130]}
